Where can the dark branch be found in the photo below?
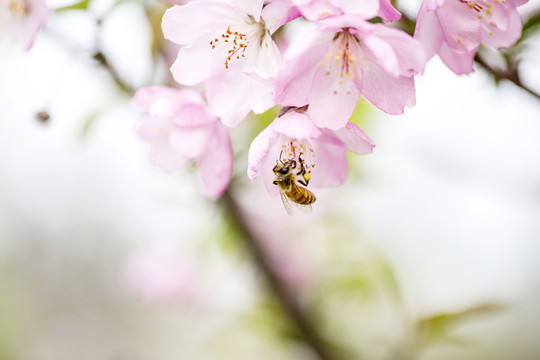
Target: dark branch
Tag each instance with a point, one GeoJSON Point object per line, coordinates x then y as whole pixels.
{"type": "Point", "coordinates": [511, 74]}
{"type": "Point", "coordinates": [291, 307]}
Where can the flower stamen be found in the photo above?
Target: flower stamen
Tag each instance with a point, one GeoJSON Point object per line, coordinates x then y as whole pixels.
{"type": "Point", "coordinates": [340, 55]}
{"type": "Point", "coordinates": [16, 10]}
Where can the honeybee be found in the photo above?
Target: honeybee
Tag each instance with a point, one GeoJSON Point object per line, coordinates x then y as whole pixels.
{"type": "Point", "coordinates": [286, 180]}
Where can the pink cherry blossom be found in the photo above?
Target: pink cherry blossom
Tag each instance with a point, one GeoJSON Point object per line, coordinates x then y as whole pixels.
{"type": "Point", "coordinates": [324, 151]}
{"type": "Point", "coordinates": [454, 29]}
{"type": "Point", "coordinates": [314, 10]}
{"type": "Point", "coordinates": [228, 45]}
{"type": "Point", "coordinates": [181, 130]}
{"type": "Point", "coordinates": [345, 57]}
{"type": "Point", "coordinates": [21, 20]}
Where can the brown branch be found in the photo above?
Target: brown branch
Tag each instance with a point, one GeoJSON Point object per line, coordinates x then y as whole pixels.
{"type": "Point", "coordinates": [104, 62]}
{"type": "Point", "coordinates": [512, 74]}
{"type": "Point", "coordinates": [289, 304]}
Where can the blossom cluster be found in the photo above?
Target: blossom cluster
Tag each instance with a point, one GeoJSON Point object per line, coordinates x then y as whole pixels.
{"type": "Point", "coordinates": [20, 20]}
{"type": "Point", "coordinates": [347, 49]}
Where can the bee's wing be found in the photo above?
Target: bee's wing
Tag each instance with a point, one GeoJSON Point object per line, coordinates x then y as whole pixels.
{"type": "Point", "coordinates": [304, 208]}
{"type": "Point", "coordinates": [286, 203]}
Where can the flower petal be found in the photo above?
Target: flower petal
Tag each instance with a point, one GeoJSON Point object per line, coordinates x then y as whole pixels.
{"type": "Point", "coordinates": [332, 103]}
{"type": "Point", "coordinates": [388, 93]}
{"type": "Point", "coordinates": [193, 115]}
{"type": "Point", "coordinates": [428, 31]}
{"type": "Point", "coordinates": [382, 54]}
{"type": "Point", "coordinates": [460, 26]}
{"type": "Point", "coordinates": [164, 156]}
{"type": "Point", "coordinates": [214, 168]}
{"type": "Point", "coordinates": [365, 9]}
{"type": "Point", "coordinates": [331, 168]}
{"type": "Point", "coordinates": [314, 10]}
{"type": "Point", "coordinates": [296, 126]}
{"type": "Point", "coordinates": [409, 54]}
{"type": "Point", "coordinates": [499, 36]}
{"type": "Point", "coordinates": [191, 142]}
{"type": "Point", "coordinates": [183, 24]}
{"type": "Point", "coordinates": [258, 151]}
{"type": "Point", "coordinates": [196, 63]}
{"type": "Point", "coordinates": [388, 12]}
{"type": "Point", "coordinates": [153, 128]}
{"type": "Point", "coordinates": [231, 96]}
{"type": "Point", "coordinates": [278, 13]}
{"type": "Point", "coordinates": [355, 139]}
{"type": "Point", "coordinates": [293, 82]}
{"type": "Point", "coordinates": [250, 7]}
{"type": "Point", "coordinates": [459, 63]}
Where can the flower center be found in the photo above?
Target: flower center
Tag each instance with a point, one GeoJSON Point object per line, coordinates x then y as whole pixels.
{"type": "Point", "coordinates": [483, 9]}
{"type": "Point", "coordinates": [300, 151]}
{"type": "Point", "coordinates": [12, 10]}
{"type": "Point", "coordinates": [341, 60]}
{"type": "Point", "coordinates": [236, 39]}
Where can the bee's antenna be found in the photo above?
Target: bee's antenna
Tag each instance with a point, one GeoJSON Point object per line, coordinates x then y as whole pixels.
{"type": "Point", "coordinates": [280, 156]}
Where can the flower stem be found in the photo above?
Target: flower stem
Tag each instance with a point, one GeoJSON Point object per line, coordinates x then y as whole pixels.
{"type": "Point", "coordinates": [408, 25]}
{"type": "Point", "coordinates": [510, 75]}
{"type": "Point", "coordinates": [289, 304]}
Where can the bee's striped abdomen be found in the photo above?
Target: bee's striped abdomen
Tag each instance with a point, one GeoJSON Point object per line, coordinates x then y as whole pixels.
{"type": "Point", "coordinates": [301, 195]}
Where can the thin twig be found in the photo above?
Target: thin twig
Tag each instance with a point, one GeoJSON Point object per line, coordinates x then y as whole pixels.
{"type": "Point", "coordinates": [510, 75]}
{"type": "Point", "coordinates": [408, 25]}
{"type": "Point", "coordinates": [104, 62]}
{"type": "Point", "coordinates": [291, 307]}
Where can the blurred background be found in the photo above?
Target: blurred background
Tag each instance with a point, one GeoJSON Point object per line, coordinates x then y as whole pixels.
{"type": "Point", "coordinates": [429, 251]}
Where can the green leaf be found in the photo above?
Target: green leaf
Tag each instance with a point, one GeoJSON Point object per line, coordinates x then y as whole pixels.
{"type": "Point", "coordinates": [533, 23]}
{"type": "Point", "coordinates": [89, 123]}
{"type": "Point", "coordinates": [81, 5]}
{"type": "Point", "coordinates": [530, 27]}
{"type": "Point", "coordinates": [438, 327]}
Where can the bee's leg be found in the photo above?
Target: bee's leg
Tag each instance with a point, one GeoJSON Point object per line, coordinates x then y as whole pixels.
{"type": "Point", "coordinates": [293, 162]}
{"type": "Point", "coordinates": [302, 172]}
{"type": "Point", "coordinates": [274, 182]}
{"type": "Point", "coordinates": [302, 168]}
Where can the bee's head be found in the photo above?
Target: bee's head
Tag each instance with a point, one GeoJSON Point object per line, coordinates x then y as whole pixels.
{"type": "Point", "coordinates": [283, 168]}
